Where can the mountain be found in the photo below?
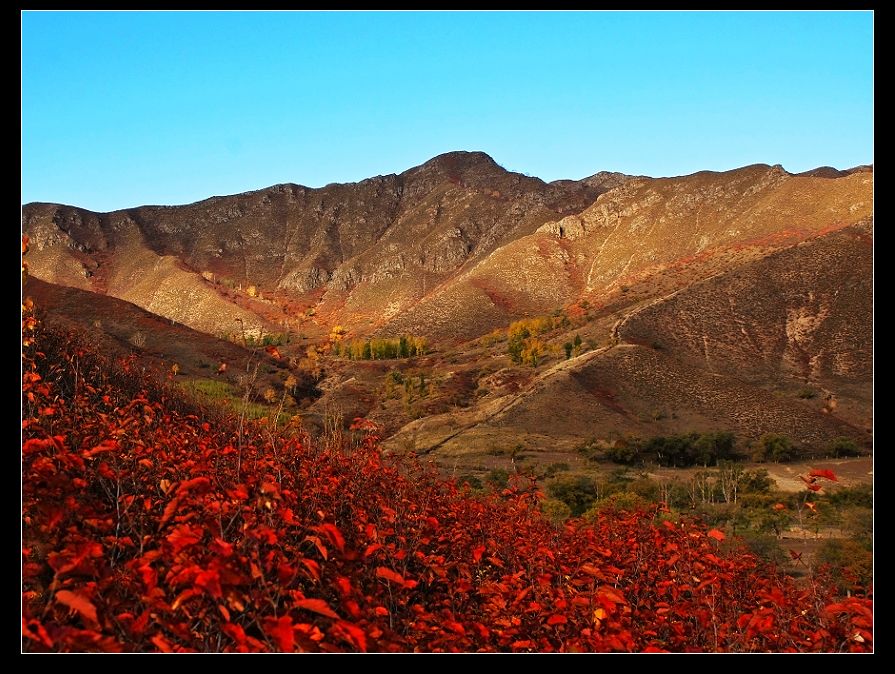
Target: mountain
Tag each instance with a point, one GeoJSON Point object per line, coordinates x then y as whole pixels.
{"type": "Point", "coordinates": [358, 253]}
{"type": "Point", "coordinates": [737, 300]}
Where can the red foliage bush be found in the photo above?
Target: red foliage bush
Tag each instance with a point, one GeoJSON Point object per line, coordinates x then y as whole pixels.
{"type": "Point", "coordinates": [146, 528]}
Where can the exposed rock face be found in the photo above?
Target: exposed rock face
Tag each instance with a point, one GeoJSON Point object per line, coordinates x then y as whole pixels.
{"type": "Point", "coordinates": [449, 249]}
{"type": "Point", "coordinates": [432, 219]}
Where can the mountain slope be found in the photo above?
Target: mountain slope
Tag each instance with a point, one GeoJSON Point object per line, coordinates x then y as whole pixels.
{"type": "Point", "coordinates": [737, 300]}
{"type": "Point", "coordinates": [733, 352]}
{"type": "Point", "coordinates": [667, 232]}
{"type": "Point", "coordinates": [396, 235]}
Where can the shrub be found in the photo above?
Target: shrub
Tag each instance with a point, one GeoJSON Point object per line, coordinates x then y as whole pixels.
{"type": "Point", "coordinates": [554, 468]}
{"type": "Point", "coordinates": [860, 496]}
{"type": "Point", "coordinates": [577, 491]}
{"type": "Point", "coordinates": [498, 478]}
{"type": "Point", "coordinates": [850, 561]}
{"type": "Point", "coordinates": [773, 447]}
{"type": "Point", "coordinates": [555, 510]}
{"type": "Point", "coordinates": [764, 545]}
{"type": "Point", "coordinates": [843, 448]}
{"type": "Point", "coordinates": [688, 449]}
{"type": "Point", "coordinates": [756, 482]}
{"type": "Point", "coordinates": [165, 531]}
{"type": "Point", "coordinates": [625, 451]}
{"type": "Point", "coordinates": [405, 346]}
{"type": "Point", "coordinates": [618, 502]}
{"type": "Point", "coordinates": [473, 481]}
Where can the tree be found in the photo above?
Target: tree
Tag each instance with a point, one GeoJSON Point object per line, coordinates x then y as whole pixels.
{"type": "Point", "coordinates": [843, 447]}
{"type": "Point", "coordinates": [773, 447]}
{"type": "Point", "coordinates": [577, 491]}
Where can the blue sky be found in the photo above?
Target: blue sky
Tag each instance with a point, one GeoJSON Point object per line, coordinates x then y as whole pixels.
{"type": "Point", "coordinates": [122, 109]}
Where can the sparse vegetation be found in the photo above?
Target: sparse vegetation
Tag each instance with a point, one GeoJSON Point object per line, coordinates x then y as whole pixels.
{"type": "Point", "coordinates": [497, 478]}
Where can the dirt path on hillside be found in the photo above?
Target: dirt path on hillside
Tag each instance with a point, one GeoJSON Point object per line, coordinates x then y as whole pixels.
{"type": "Point", "coordinates": [504, 405]}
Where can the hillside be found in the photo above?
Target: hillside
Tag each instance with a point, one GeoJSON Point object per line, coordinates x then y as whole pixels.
{"type": "Point", "coordinates": [719, 301]}
{"type": "Point", "coordinates": [736, 352]}
{"type": "Point", "coordinates": [148, 529]}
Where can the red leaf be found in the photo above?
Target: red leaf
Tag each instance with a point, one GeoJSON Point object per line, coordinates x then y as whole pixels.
{"type": "Point", "coordinates": [37, 634]}
{"type": "Point", "coordinates": [104, 446]}
{"type": "Point", "coordinates": [140, 623]}
{"type": "Point", "coordinates": [388, 574]}
{"type": "Point", "coordinates": [344, 586]}
{"type": "Point", "coordinates": [334, 536]}
{"type": "Point", "coordinates": [317, 606]}
{"type": "Point", "coordinates": [312, 567]}
{"type": "Point", "coordinates": [182, 537]}
{"type": "Point", "coordinates": [280, 630]}
{"type": "Point", "coordinates": [149, 576]}
{"type": "Point", "coordinates": [161, 643]}
{"type": "Point", "coordinates": [557, 619]}
{"type": "Point", "coordinates": [353, 634]}
{"type": "Point", "coordinates": [36, 445]}
{"type": "Point", "coordinates": [184, 487]}
{"type": "Point", "coordinates": [170, 509]}
{"type": "Point", "coordinates": [717, 534]}
{"type": "Point", "coordinates": [610, 594]}
{"type": "Point", "coordinates": [824, 472]}
{"type": "Point", "coordinates": [65, 562]}
{"type": "Point", "coordinates": [319, 545]}
{"type": "Point", "coordinates": [814, 487]}
{"type": "Point", "coordinates": [273, 351]}
{"type": "Point", "coordinates": [210, 581]}
{"type": "Point", "coordinates": [235, 632]}
{"type": "Point", "coordinates": [591, 570]}
{"type": "Point", "coordinates": [454, 626]}
{"type": "Point", "coordinates": [477, 553]}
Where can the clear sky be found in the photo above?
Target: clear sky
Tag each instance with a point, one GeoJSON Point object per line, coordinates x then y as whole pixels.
{"type": "Point", "coordinates": [121, 109]}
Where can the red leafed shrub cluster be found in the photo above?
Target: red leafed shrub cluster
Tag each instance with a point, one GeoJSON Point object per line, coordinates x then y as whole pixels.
{"type": "Point", "coordinates": [146, 528]}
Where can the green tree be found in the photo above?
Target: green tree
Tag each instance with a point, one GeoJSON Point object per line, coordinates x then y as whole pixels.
{"type": "Point", "coordinates": [843, 447]}
{"type": "Point", "coordinates": [567, 347]}
{"type": "Point", "coordinates": [577, 491]}
{"type": "Point", "coordinates": [773, 447]}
